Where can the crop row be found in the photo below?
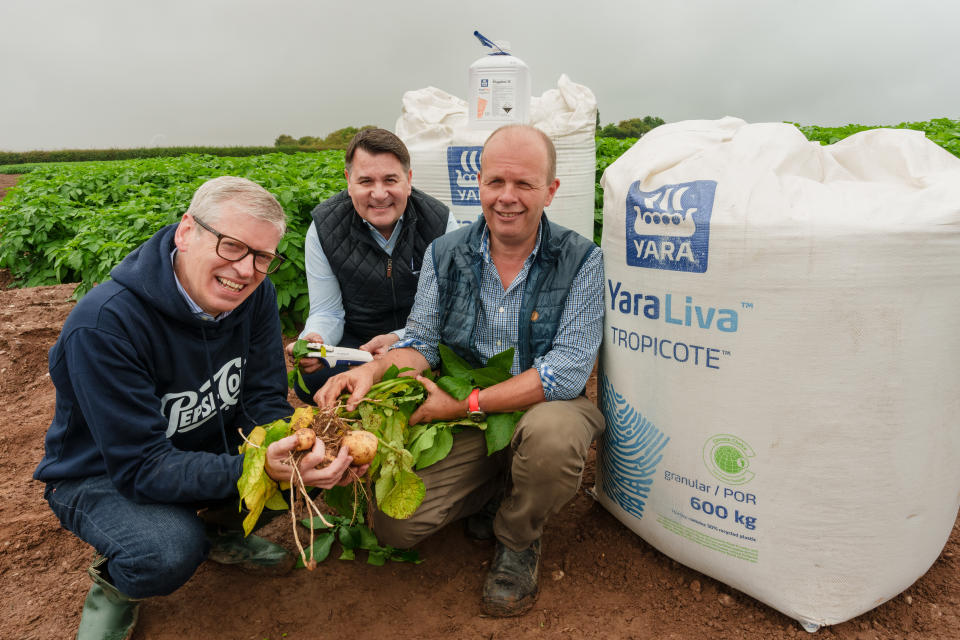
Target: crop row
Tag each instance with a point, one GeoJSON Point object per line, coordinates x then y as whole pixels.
{"type": "Point", "coordinates": [73, 223]}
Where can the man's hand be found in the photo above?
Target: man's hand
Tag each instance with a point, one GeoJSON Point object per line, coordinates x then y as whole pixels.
{"type": "Point", "coordinates": [357, 381]}
{"type": "Point", "coordinates": [337, 472]}
{"type": "Point", "coordinates": [378, 345]}
{"type": "Point", "coordinates": [307, 365]}
{"type": "Point", "coordinates": [439, 405]}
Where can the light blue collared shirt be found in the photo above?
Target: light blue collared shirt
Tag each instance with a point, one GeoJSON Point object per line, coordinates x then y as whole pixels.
{"type": "Point", "coordinates": [326, 300]}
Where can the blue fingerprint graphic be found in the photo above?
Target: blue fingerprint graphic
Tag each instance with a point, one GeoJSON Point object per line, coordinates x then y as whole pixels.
{"type": "Point", "coordinates": [630, 452]}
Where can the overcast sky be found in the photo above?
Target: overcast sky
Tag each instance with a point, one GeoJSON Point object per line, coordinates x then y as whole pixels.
{"type": "Point", "coordinates": [128, 73]}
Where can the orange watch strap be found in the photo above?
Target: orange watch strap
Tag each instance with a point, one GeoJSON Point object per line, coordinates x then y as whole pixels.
{"type": "Point", "coordinates": [473, 401]}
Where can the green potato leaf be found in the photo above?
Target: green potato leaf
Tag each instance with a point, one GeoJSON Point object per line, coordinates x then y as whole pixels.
{"type": "Point", "coordinates": [350, 537]}
{"type": "Point", "coordinates": [502, 361]}
{"type": "Point", "coordinates": [378, 557]}
{"type": "Point", "coordinates": [295, 376]}
{"type": "Point", "coordinates": [341, 500]}
{"type": "Point", "coordinates": [489, 376]}
{"type": "Point", "coordinates": [317, 524]}
{"type": "Point", "coordinates": [457, 387]}
{"type": "Point", "coordinates": [500, 428]}
{"type": "Point", "coordinates": [423, 439]}
{"type": "Point", "coordinates": [439, 448]}
{"type": "Point", "coordinates": [391, 373]}
{"type": "Point", "coordinates": [452, 364]}
{"type": "Point", "coordinates": [320, 548]}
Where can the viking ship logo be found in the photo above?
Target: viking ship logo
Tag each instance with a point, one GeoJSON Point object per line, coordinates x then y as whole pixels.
{"type": "Point", "coordinates": [463, 165]}
{"type": "Point", "coordinates": [669, 228]}
{"type": "Point", "coordinates": [630, 452]}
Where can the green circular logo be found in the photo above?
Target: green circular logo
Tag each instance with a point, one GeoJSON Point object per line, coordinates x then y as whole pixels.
{"type": "Point", "coordinates": [727, 457]}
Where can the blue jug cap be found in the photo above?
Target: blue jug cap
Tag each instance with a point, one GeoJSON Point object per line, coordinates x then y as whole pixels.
{"type": "Point", "coordinates": [490, 43]}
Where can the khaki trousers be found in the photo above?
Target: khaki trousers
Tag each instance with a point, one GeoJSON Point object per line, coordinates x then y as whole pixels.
{"type": "Point", "coordinates": [540, 471]}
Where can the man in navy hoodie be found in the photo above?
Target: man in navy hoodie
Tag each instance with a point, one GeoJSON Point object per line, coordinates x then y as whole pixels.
{"type": "Point", "coordinates": [157, 371]}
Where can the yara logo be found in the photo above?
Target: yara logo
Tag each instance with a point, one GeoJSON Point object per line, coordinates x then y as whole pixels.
{"type": "Point", "coordinates": [669, 228]}
{"type": "Point", "coordinates": [187, 410]}
{"type": "Point", "coordinates": [463, 165]}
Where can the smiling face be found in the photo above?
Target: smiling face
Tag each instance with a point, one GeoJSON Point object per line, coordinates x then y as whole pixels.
{"type": "Point", "coordinates": [515, 187]}
{"type": "Point", "coordinates": [216, 284]}
{"type": "Point", "coordinates": [379, 187]}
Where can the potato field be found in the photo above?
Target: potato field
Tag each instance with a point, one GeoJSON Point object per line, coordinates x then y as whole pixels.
{"type": "Point", "coordinates": [64, 226]}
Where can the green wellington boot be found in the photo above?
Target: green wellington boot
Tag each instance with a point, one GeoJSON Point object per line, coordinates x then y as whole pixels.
{"type": "Point", "coordinates": [107, 613]}
{"type": "Point", "coordinates": [250, 553]}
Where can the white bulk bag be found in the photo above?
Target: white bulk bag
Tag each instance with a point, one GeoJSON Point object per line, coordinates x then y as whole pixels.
{"type": "Point", "coordinates": [781, 358]}
{"type": "Point", "coordinates": [445, 152]}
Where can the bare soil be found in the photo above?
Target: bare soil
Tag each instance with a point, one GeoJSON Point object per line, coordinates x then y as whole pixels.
{"type": "Point", "coordinates": [599, 580]}
{"type": "Point", "coordinates": [7, 180]}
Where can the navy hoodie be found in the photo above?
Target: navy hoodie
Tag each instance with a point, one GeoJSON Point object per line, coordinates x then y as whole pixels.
{"type": "Point", "coordinates": [147, 393]}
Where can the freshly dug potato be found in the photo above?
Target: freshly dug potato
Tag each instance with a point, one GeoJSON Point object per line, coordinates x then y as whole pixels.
{"type": "Point", "coordinates": [305, 439]}
{"type": "Point", "coordinates": [362, 445]}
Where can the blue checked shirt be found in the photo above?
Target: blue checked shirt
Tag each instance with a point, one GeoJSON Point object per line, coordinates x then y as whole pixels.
{"type": "Point", "coordinates": [565, 368]}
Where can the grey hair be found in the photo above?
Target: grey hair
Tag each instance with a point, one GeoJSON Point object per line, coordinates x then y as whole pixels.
{"type": "Point", "coordinates": [247, 195]}
{"type": "Point", "coordinates": [547, 144]}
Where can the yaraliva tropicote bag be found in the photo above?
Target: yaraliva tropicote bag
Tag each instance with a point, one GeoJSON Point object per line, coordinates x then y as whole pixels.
{"type": "Point", "coordinates": [781, 358]}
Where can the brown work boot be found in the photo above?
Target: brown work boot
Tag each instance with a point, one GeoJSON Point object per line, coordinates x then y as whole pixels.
{"type": "Point", "coordinates": [512, 583]}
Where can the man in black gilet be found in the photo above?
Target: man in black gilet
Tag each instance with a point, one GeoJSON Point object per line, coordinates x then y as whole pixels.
{"type": "Point", "coordinates": [363, 253]}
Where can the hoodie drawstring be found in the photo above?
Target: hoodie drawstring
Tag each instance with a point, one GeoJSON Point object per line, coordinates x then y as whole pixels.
{"type": "Point", "coordinates": [213, 386]}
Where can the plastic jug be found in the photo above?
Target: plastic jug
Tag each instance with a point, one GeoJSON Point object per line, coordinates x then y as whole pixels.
{"type": "Point", "coordinates": [499, 88]}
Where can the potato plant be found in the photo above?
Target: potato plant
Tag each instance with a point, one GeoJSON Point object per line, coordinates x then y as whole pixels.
{"type": "Point", "coordinates": [377, 433]}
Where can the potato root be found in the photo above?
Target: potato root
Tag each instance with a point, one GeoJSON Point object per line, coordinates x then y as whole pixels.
{"type": "Point", "coordinates": [362, 445]}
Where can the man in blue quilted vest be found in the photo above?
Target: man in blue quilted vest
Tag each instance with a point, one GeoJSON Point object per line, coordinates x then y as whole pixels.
{"type": "Point", "coordinates": [512, 279]}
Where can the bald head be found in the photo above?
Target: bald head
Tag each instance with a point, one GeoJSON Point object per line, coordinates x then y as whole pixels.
{"type": "Point", "coordinates": [526, 134]}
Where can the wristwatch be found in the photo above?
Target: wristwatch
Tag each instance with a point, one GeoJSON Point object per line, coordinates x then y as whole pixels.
{"type": "Point", "coordinates": [473, 407]}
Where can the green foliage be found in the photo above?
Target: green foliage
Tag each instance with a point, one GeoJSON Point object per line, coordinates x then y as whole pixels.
{"type": "Point", "coordinates": [632, 128]}
{"type": "Point", "coordinates": [352, 536]}
{"type": "Point", "coordinates": [338, 139]}
{"type": "Point", "coordinates": [608, 150]}
{"type": "Point", "coordinates": [99, 155]}
{"type": "Point", "coordinates": [75, 222]}
{"type": "Point", "coordinates": [944, 131]}
{"type": "Point", "coordinates": [295, 376]}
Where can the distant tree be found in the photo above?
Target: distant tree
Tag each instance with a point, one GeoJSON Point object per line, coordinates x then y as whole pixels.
{"type": "Point", "coordinates": [342, 137]}
{"type": "Point", "coordinates": [631, 128]}
{"type": "Point", "coordinates": [338, 139]}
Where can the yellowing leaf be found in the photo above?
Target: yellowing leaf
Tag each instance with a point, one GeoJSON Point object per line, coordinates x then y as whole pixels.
{"type": "Point", "coordinates": [302, 417]}
{"type": "Point", "coordinates": [405, 496]}
{"type": "Point", "coordinates": [275, 500]}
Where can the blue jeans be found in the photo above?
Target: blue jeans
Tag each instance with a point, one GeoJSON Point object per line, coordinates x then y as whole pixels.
{"type": "Point", "coordinates": [151, 549]}
{"type": "Point", "coordinates": [319, 377]}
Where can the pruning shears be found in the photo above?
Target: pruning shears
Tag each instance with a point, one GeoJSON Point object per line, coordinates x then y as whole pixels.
{"type": "Point", "coordinates": [334, 356]}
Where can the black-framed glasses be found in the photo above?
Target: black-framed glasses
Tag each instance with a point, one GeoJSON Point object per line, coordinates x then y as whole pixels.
{"type": "Point", "coordinates": [229, 248]}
